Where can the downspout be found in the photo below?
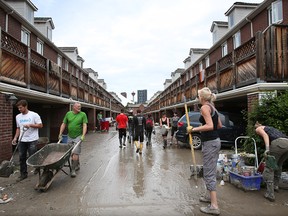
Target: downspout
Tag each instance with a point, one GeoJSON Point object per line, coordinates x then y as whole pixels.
{"type": "Point", "coordinates": [7, 20]}
{"type": "Point", "coordinates": [251, 26]}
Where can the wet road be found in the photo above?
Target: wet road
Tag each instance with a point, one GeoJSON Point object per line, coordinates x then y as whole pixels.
{"type": "Point", "coordinates": [114, 181]}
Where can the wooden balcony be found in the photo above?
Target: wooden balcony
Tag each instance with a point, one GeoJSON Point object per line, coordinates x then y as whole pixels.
{"type": "Point", "coordinates": [264, 58]}
{"type": "Point", "coordinates": [22, 66]}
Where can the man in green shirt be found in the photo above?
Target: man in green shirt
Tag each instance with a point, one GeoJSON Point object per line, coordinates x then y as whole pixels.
{"type": "Point", "coordinates": [99, 119]}
{"type": "Point", "coordinates": [76, 121]}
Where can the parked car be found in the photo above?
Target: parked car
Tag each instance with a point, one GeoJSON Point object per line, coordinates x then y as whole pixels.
{"type": "Point", "coordinates": [228, 133]}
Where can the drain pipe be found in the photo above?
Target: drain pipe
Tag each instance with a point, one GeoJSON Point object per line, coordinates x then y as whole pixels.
{"type": "Point", "coordinates": [251, 26]}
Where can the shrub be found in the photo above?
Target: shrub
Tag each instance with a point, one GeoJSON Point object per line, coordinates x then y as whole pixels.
{"type": "Point", "coordinates": [271, 110]}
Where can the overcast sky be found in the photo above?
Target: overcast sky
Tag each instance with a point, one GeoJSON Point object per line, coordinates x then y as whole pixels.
{"type": "Point", "coordinates": [134, 44]}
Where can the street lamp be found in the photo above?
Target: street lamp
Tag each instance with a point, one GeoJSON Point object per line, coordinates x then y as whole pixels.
{"type": "Point", "coordinates": [10, 97]}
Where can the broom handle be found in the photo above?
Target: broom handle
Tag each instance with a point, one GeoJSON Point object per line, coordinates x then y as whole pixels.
{"type": "Point", "coordinates": [19, 140]}
{"type": "Point", "coordinates": [190, 140]}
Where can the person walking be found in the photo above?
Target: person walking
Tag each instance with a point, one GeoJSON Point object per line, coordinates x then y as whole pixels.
{"type": "Point", "coordinates": [276, 145]}
{"type": "Point", "coordinates": [122, 122]}
{"type": "Point", "coordinates": [138, 127]}
{"type": "Point", "coordinates": [99, 120]}
{"type": "Point", "coordinates": [130, 124]}
{"type": "Point", "coordinates": [27, 122]}
{"type": "Point", "coordinates": [76, 121]}
{"type": "Point", "coordinates": [174, 127]}
{"type": "Point", "coordinates": [211, 145]}
{"type": "Point", "coordinates": [165, 125]}
{"type": "Point", "coordinates": [149, 128]}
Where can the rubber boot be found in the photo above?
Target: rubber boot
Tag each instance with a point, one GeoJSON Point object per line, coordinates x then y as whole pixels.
{"type": "Point", "coordinates": [141, 147]}
{"type": "Point", "coordinates": [165, 144]}
{"type": "Point", "coordinates": [77, 166]}
{"type": "Point", "coordinates": [124, 141]}
{"type": "Point", "coordinates": [276, 183]}
{"type": "Point", "coordinates": [120, 141]}
{"type": "Point", "coordinates": [73, 167]}
{"type": "Point", "coordinates": [137, 148]}
{"type": "Point", "coordinates": [270, 191]}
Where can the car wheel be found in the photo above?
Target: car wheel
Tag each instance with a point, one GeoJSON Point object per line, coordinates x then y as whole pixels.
{"type": "Point", "coordinates": [196, 139]}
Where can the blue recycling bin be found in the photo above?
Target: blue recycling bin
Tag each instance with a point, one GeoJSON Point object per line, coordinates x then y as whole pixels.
{"type": "Point", "coordinates": [64, 139]}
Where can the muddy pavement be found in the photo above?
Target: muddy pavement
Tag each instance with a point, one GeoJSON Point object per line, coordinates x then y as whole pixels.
{"type": "Point", "coordinates": [114, 181]}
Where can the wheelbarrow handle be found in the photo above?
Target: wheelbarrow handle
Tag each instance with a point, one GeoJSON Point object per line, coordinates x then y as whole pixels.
{"type": "Point", "coordinates": [76, 145]}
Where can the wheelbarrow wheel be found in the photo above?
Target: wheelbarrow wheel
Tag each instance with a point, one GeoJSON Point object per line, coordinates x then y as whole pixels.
{"type": "Point", "coordinates": [46, 176]}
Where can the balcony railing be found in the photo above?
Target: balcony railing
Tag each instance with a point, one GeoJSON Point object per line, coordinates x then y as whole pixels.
{"type": "Point", "coordinates": [263, 58]}
{"type": "Point", "coordinates": [23, 66]}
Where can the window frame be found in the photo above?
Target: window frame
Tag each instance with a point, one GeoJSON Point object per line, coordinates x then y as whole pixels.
{"type": "Point", "coordinates": [40, 46]}
{"type": "Point", "coordinates": [59, 60]}
{"type": "Point", "coordinates": [207, 62]}
{"type": "Point", "coordinates": [224, 49]}
{"type": "Point", "coordinates": [237, 39]}
{"type": "Point", "coordinates": [25, 36]}
{"type": "Point", "coordinates": [275, 12]}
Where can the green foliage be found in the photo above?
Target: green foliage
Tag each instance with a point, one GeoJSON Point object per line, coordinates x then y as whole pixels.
{"type": "Point", "coordinates": [271, 110]}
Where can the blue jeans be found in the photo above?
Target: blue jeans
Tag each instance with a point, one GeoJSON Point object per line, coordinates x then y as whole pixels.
{"type": "Point", "coordinates": [25, 147]}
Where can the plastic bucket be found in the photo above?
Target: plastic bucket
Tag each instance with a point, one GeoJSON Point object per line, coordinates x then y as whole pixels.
{"type": "Point", "coordinates": [64, 139]}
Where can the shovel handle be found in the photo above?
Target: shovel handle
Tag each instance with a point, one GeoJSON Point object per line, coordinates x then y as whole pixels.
{"type": "Point", "coordinates": [190, 139]}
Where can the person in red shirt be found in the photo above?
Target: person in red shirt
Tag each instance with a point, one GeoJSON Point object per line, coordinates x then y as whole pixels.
{"type": "Point", "coordinates": [122, 122]}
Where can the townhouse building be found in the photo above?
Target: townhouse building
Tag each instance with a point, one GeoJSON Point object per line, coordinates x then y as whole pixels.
{"type": "Point", "coordinates": [50, 78]}
{"type": "Point", "coordinates": [248, 58]}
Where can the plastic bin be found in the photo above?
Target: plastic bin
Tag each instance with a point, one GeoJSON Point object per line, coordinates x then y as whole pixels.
{"type": "Point", "coordinates": [246, 182]}
{"type": "Point", "coordinates": [105, 126]}
{"type": "Point", "coordinates": [64, 139]}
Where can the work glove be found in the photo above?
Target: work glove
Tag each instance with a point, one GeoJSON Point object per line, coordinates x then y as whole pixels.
{"type": "Point", "coordinates": [266, 153]}
{"type": "Point", "coordinates": [154, 132]}
{"type": "Point", "coordinates": [82, 137]}
{"type": "Point", "coordinates": [60, 137]}
{"type": "Point", "coordinates": [189, 129]}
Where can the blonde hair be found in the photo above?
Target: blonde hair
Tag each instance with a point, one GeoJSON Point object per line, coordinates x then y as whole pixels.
{"type": "Point", "coordinates": [257, 124]}
{"type": "Point", "coordinates": [206, 94]}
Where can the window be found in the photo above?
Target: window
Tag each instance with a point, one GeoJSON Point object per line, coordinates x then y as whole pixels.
{"type": "Point", "coordinates": [224, 49]}
{"type": "Point", "coordinates": [77, 73]}
{"type": "Point", "coordinates": [49, 34]}
{"type": "Point", "coordinates": [59, 61]}
{"type": "Point", "coordinates": [207, 62]}
{"type": "Point", "coordinates": [25, 36]}
{"type": "Point", "coordinates": [40, 46]}
{"type": "Point", "coordinates": [237, 40]}
{"type": "Point", "coordinates": [66, 65]}
{"type": "Point", "coordinates": [275, 13]}
{"type": "Point", "coordinates": [231, 20]}
{"type": "Point", "coordinates": [200, 66]}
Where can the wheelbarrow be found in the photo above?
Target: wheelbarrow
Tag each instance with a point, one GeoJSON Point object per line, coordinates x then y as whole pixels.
{"type": "Point", "coordinates": [50, 160]}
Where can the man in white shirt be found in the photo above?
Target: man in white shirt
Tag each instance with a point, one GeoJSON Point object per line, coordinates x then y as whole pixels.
{"type": "Point", "coordinates": [27, 122]}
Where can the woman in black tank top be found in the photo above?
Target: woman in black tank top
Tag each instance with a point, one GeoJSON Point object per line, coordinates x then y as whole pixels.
{"type": "Point", "coordinates": [210, 148]}
{"type": "Point", "coordinates": [164, 124]}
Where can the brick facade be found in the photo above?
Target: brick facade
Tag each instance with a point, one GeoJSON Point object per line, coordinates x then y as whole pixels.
{"type": "Point", "coordinates": [251, 100]}
{"type": "Point", "coordinates": [6, 128]}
